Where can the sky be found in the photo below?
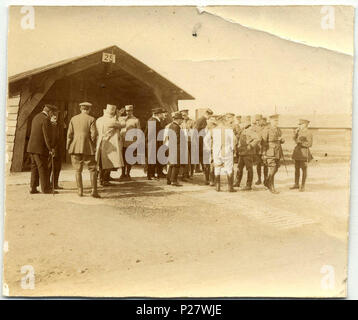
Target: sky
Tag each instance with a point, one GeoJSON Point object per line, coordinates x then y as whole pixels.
{"type": "Point", "coordinates": [297, 23]}
{"type": "Point", "coordinates": [244, 59]}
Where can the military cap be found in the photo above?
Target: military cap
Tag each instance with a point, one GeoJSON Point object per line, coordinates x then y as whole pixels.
{"type": "Point", "coordinates": [246, 119]}
{"type": "Point", "coordinates": [258, 117]}
{"type": "Point", "coordinates": [121, 111]}
{"type": "Point", "coordinates": [238, 117]}
{"type": "Point", "coordinates": [157, 110]}
{"type": "Point", "coordinates": [177, 115]}
{"type": "Point", "coordinates": [303, 121]}
{"type": "Point", "coordinates": [129, 107]}
{"type": "Point", "coordinates": [185, 110]}
{"type": "Point", "coordinates": [213, 119]}
{"type": "Point", "coordinates": [50, 107]}
{"type": "Point", "coordinates": [274, 116]}
{"type": "Point", "coordinates": [209, 111]}
{"type": "Point", "coordinates": [229, 114]}
{"type": "Point", "coordinates": [85, 104]}
{"type": "Point", "coordinates": [110, 105]}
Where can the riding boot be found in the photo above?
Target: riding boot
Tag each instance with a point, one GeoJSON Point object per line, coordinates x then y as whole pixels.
{"type": "Point", "coordinates": [217, 183]}
{"type": "Point", "coordinates": [129, 167]}
{"type": "Point", "coordinates": [304, 177]}
{"type": "Point", "coordinates": [192, 170]}
{"type": "Point", "coordinates": [207, 175]}
{"type": "Point", "coordinates": [123, 174]}
{"type": "Point", "coordinates": [265, 174]}
{"type": "Point", "coordinates": [250, 178]}
{"type": "Point", "coordinates": [258, 170]}
{"type": "Point", "coordinates": [94, 192]}
{"type": "Point", "coordinates": [297, 178]}
{"type": "Point", "coordinates": [230, 182]}
{"type": "Point", "coordinates": [174, 178]}
{"type": "Point", "coordinates": [79, 183]}
{"type": "Point", "coordinates": [239, 174]}
{"type": "Point", "coordinates": [272, 185]}
{"type": "Point", "coordinates": [212, 179]}
{"type": "Point", "coordinates": [169, 175]}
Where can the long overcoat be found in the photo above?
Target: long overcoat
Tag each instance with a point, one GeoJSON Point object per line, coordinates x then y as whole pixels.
{"type": "Point", "coordinates": [109, 142]}
{"type": "Point", "coordinates": [304, 140]}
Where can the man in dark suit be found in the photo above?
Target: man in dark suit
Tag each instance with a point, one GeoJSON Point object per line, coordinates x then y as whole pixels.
{"type": "Point", "coordinates": [200, 125]}
{"type": "Point", "coordinates": [152, 143]}
{"type": "Point", "coordinates": [39, 148]}
{"type": "Point", "coordinates": [174, 158]}
{"type": "Point", "coordinates": [81, 145]}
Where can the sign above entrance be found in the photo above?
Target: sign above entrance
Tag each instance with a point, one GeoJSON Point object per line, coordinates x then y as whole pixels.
{"type": "Point", "coordinates": [108, 57]}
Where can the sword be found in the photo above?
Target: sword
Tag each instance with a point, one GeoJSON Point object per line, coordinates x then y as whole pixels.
{"type": "Point", "coordinates": [283, 158]}
{"type": "Point", "coordinates": [53, 174]}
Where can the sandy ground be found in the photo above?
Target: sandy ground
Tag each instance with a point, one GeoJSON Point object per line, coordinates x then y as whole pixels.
{"type": "Point", "coordinates": [145, 238]}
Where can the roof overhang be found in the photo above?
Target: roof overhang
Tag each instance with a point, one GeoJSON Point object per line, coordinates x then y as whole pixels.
{"type": "Point", "coordinates": [121, 61]}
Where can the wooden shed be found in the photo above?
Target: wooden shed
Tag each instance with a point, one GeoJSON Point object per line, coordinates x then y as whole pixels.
{"type": "Point", "coordinates": [106, 76]}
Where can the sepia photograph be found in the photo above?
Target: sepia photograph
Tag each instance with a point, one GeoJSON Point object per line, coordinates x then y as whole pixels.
{"type": "Point", "coordinates": [178, 151]}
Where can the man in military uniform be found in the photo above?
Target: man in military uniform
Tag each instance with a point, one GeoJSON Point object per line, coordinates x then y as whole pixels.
{"type": "Point", "coordinates": [237, 125]}
{"type": "Point", "coordinates": [229, 120]}
{"type": "Point", "coordinates": [187, 126]}
{"type": "Point", "coordinates": [263, 163]}
{"type": "Point", "coordinates": [131, 123]}
{"type": "Point", "coordinates": [302, 154]}
{"type": "Point", "coordinates": [247, 143]}
{"type": "Point", "coordinates": [272, 138]}
{"type": "Point", "coordinates": [109, 144]}
{"type": "Point", "coordinates": [151, 153]}
{"type": "Point", "coordinates": [258, 127]}
{"type": "Point", "coordinates": [81, 145]}
{"type": "Point", "coordinates": [223, 145]}
{"type": "Point", "coordinates": [201, 124]}
{"type": "Point", "coordinates": [163, 117]}
{"type": "Point", "coordinates": [174, 159]}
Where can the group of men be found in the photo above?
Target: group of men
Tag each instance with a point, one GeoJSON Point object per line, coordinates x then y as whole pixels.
{"type": "Point", "coordinates": [44, 147]}
{"type": "Point", "coordinates": [253, 142]}
{"type": "Point", "coordinates": [102, 146]}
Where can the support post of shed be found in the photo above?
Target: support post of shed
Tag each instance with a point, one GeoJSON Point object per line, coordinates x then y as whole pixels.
{"type": "Point", "coordinates": [28, 102]}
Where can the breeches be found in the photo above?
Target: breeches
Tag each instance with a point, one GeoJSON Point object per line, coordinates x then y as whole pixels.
{"type": "Point", "coordinates": [223, 164]}
{"type": "Point", "coordinates": [272, 162]}
{"type": "Point", "coordinates": [79, 160]}
{"type": "Point", "coordinates": [245, 161]}
{"type": "Point", "coordinates": [300, 164]}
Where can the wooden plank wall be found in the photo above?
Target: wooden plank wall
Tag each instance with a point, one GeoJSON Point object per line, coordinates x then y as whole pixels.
{"type": "Point", "coordinates": [11, 121]}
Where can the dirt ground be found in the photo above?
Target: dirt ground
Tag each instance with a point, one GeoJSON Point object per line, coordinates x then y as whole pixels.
{"type": "Point", "coordinates": [144, 238]}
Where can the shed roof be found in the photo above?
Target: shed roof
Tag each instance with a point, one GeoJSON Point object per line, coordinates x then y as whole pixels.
{"type": "Point", "coordinates": [141, 68]}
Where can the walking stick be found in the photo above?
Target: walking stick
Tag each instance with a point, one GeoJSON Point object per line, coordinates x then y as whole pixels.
{"type": "Point", "coordinates": [53, 174]}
